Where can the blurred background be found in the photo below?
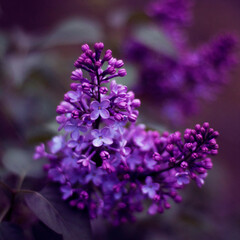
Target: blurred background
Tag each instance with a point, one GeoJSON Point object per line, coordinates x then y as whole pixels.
{"type": "Point", "coordinates": [39, 42]}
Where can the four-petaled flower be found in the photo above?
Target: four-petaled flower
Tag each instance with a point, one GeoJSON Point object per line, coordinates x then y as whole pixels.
{"type": "Point", "coordinates": [100, 109]}
{"type": "Point", "coordinates": [101, 136]}
{"type": "Point", "coordinates": [95, 176]}
{"type": "Point", "coordinates": [150, 188]}
{"type": "Point", "coordinates": [74, 127]}
{"type": "Point", "coordinates": [86, 160]}
{"type": "Point", "coordinates": [67, 191]}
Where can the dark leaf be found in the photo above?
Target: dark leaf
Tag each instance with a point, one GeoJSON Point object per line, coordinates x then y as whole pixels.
{"type": "Point", "coordinates": [3, 45]}
{"type": "Point", "coordinates": [155, 39]}
{"type": "Point", "coordinates": [21, 163]}
{"type": "Point", "coordinates": [18, 67]}
{"type": "Point", "coordinates": [74, 31]}
{"type": "Point", "coordinates": [10, 231]}
{"type": "Point", "coordinates": [40, 231]}
{"type": "Point", "coordinates": [20, 212]}
{"type": "Point", "coordinates": [58, 215]}
{"type": "Point", "coordinates": [5, 200]}
{"type": "Point", "coordinates": [45, 211]}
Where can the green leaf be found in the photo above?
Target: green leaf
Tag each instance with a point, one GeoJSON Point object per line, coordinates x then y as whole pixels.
{"type": "Point", "coordinates": [21, 163]}
{"type": "Point", "coordinates": [5, 200]}
{"type": "Point", "coordinates": [74, 31]}
{"type": "Point", "coordinates": [154, 38]}
{"type": "Point", "coordinates": [48, 206]}
{"type": "Point", "coordinates": [10, 231]}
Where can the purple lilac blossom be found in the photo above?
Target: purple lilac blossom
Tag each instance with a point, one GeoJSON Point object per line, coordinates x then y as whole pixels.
{"type": "Point", "coordinates": [100, 109]}
{"type": "Point", "coordinates": [114, 165]}
{"type": "Point", "coordinates": [171, 12]}
{"type": "Point", "coordinates": [101, 136]}
{"type": "Point", "coordinates": [150, 188]}
{"type": "Point", "coordinates": [177, 83]}
{"type": "Point", "coordinates": [172, 16]}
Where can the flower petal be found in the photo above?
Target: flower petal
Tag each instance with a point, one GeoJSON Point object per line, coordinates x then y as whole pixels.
{"type": "Point", "coordinates": [75, 135]}
{"type": "Point", "coordinates": [75, 96]}
{"type": "Point", "coordinates": [104, 113]}
{"type": "Point", "coordinates": [144, 189]}
{"type": "Point", "coordinates": [72, 144]}
{"type": "Point", "coordinates": [153, 209]}
{"type": "Point", "coordinates": [69, 128]}
{"type": "Point", "coordinates": [107, 141]}
{"type": "Point", "coordinates": [148, 180]}
{"type": "Point", "coordinates": [94, 114]}
{"type": "Point", "coordinates": [66, 191]}
{"type": "Point", "coordinates": [82, 128]}
{"type": "Point", "coordinates": [95, 133]}
{"type": "Point", "coordinates": [156, 186]}
{"type": "Point", "coordinates": [151, 193]}
{"type": "Point", "coordinates": [95, 105]}
{"type": "Point", "coordinates": [97, 142]}
{"type": "Point", "coordinates": [105, 103]}
{"type": "Point", "coordinates": [105, 132]}
{"type": "Point", "coordinates": [97, 180]}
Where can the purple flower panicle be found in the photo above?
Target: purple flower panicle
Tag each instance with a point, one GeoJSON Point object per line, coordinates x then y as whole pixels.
{"type": "Point", "coordinates": [105, 161]}
{"type": "Point", "coordinates": [178, 82]}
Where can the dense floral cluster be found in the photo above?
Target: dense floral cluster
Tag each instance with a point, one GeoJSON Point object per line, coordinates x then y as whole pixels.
{"type": "Point", "coordinates": [171, 12]}
{"type": "Point", "coordinates": [108, 163]}
{"type": "Point", "coordinates": [177, 82]}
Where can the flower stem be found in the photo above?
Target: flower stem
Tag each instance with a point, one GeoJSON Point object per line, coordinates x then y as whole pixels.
{"type": "Point", "coordinates": [99, 97]}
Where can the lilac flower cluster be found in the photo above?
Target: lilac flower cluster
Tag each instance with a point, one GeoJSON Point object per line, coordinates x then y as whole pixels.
{"type": "Point", "coordinates": [171, 12]}
{"type": "Point", "coordinates": [177, 83]}
{"type": "Point", "coordinates": [172, 16]}
{"type": "Point", "coordinates": [108, 163]}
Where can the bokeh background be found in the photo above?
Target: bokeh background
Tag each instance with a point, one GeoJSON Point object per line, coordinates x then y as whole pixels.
{"type": "Point", "coordinates": [40, 40]}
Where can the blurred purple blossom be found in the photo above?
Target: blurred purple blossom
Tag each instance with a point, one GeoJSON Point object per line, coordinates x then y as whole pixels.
{"type": "Point", "coordinates": [175, 81]}
{"type": "Point", "coordinates": [101, 136]}
{"type": "Point", "coordinates": [150, 188]}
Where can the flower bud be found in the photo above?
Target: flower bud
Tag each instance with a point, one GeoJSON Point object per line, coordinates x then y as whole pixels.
{"type": "Point", "coordinates": [75, 114]}
{"type": "Point", "coordinates": [99, 46]}
{"type": "Point", "coordinates": [122, 72]}
{"type": "Point", "coordinates": [104, 155]}
{"type": "Point", "coordinates": [132, 117]}
{"type": "Point", "coordinates": [98, 64]}
{"type": "Point", "coordinates": [118, 116]}
{"type": "Point", "coordinates": [184, 165]}
{"type": "Point", "coordinates": [85, 47]}
{"type": "Point", "coordinates": [66, 97]}
{"type": "Point", "coordinates": [86, 87]}
{"type": "Point", "coordinates": [77, 75]}
{"type": "Point", "coordinates": [136, 103]}
{"type": "Point", "coordinates": [60, 109]}
{"type": "Point", "coordinates": [122, 105]}
{"type": "Point", "coordinates": [74, 86]}
{"type": "Point", "coordinates": [119, 63]}
{"type": "Point", "coordinates": [103, 90]}
{"type": "Point", "coordinates": [108, 55]}
{"type": "Point", "coordinates": [157, 156]}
